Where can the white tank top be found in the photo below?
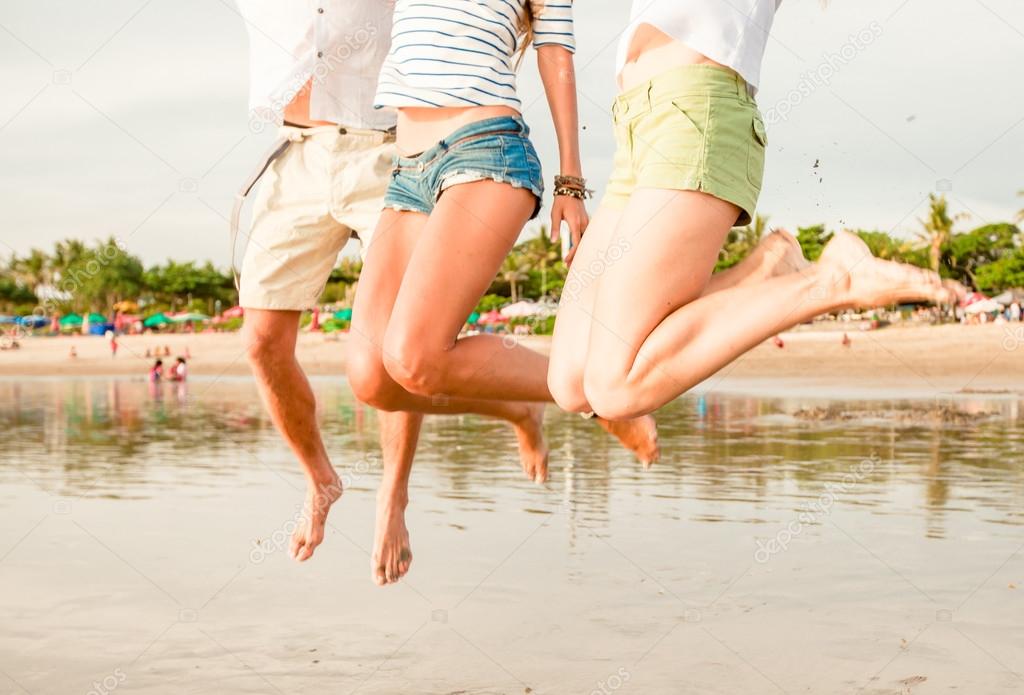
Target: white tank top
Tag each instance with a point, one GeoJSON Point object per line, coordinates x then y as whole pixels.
{"type": "Point", "coordinates": [731, 32]}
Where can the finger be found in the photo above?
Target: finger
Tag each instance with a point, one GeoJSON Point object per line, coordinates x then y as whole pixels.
{"type": "Point", "coordinates": [556, 228]}
{"type": "Point", "coordinates": [569, 256]}
{"type": "Point", "coordinates": [584, 223]}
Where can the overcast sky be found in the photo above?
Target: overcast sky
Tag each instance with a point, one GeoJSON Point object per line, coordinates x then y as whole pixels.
{"type": "Point", "coordinates": [128, 117]}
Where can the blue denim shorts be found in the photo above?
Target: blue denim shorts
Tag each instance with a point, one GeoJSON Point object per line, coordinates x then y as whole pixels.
{"type": "Point", "coordinates": [496, 149]}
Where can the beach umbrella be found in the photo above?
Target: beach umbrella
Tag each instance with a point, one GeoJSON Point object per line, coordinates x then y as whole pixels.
{"type": "Point", "coordinates": [189, 316]}
{"type": "Point", "coordinates": [70, 320]}
{"type": "Point", "coordinates": [492, 316]}
{"type": "Point", "coordinates": [473, 318]}
{"type": "Point", "coordinates": [983, 306]}
{"type": "Point", "coordinates": [96, 318]}
{"type": "Point", "coordinates": [1009, 297]}
{"type": "Point", "coordinates": [524, 309]}
{"type": "Point", "coordinates": [343, 314]}
{"type": "Point", "coordinates": [235, 312]}
{"type": "Point", "coordinates": [156, 320]}
{"type": "Point", "coordinates": [126, 306]}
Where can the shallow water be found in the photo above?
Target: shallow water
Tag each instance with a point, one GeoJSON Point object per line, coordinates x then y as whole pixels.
{"type": "Point", "coordinates": [781, 545]}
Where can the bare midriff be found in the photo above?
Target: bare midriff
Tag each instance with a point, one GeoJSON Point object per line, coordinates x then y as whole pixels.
{"type": "Point", "coordinates": [420, 128]}
{"type": "Point", "coordinates": [297, 110]}
{"type": "Point", "coordinates": [652, 52]}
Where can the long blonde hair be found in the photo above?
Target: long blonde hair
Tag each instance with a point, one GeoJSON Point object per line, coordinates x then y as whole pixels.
{"type": "Point", "coordinates": [533, 8]}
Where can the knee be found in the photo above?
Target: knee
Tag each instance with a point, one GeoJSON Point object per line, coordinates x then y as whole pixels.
{"type": "Point", "coordinates": [610, 394]}
{"type": "Point", "coordinates": [415, 367]}
{"type": "Point", "coordinates": [369, 381]}
{"type": "Point", "coordinates": [566, 385]}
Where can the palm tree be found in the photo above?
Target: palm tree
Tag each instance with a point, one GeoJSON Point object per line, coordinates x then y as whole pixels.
{"type": "Point", "coordinates": [938, 228]}
{"type": "Point", "coordinates": [540, 252]}
{"type": "Point", "coordinates": [513, 271]}
{"type": "Point", "coordinates": [32, 270]}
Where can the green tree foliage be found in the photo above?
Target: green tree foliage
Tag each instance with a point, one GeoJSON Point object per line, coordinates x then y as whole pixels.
{"type": "Point", "coordinates": [964, 254]}
{"type": "Point", "coordinates": [739, 242]}
{"type": "Point", "coordinates": [812, 240]}
{"type": "Point", "coordinates": [999, 275]}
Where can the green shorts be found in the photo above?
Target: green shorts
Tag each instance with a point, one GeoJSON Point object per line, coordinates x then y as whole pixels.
{"type": "Point", "coordinates": [694, 128]}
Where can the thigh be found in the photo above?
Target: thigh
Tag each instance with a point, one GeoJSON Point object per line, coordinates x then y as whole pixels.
{"type": "Point", "coordinates": [571, 337]}
{"type": "Point", "coordinates": [468, 235]}
{"type": "Point", "coordinates": [671, 241]}
{"type": "Point", "coordinates": [386, 258]}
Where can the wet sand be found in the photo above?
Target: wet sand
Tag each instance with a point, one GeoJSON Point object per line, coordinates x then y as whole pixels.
{"type": "Point", "coordinates": [142, 547]}
{"type": "Point", "coordinates": [911, 360]}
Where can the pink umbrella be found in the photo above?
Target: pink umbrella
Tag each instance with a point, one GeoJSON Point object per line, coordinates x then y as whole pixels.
{"type": "Point", "coordinates": [492, 316]}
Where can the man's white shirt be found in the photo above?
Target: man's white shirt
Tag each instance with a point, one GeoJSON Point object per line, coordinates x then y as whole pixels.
{"type": "Point", "coordinates": [339, 45]}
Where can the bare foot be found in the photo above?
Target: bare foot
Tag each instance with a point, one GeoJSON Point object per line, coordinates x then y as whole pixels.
{"type": "Point", "coordinates": [533, 450]}
{"type": "Point", "coordinates": [392, 554]}
{"type": "Point", "coordinates": [866, 281]}
{"type": "Point", "coordinates": [782, 253]}
{"type": "Point", "coordinates": [310, 530]}
{"type": "Point", "coordinates": [639, 435]}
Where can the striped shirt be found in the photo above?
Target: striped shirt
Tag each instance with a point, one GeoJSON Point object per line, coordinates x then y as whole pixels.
{"type": "Point", "coordinates": [462, 52]}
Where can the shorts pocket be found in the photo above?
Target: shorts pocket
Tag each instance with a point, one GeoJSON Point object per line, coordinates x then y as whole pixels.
{"type": "Point", "coordinates": [673, 135]}
{"type": "Point", "coordinates": [756, 151]}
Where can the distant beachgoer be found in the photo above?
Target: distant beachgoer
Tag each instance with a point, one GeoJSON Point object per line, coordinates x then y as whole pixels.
{"type": "Point", "coordinates": [167, 350]}
{"type": "Point", "coordinates": [188, 353]}
{"type": "Point", "coordinates": [846, 340]}
{"type": "Point", "coordinates": [156, 372]}
{"type": "Point", "coordinates": [778, 342]}
{"type": "Point", "coordinates": [1015, 311]}
{"type": "Point", "coordinates": [73, 353]}
{"type": "Point", "coordinates": [113, 346]}
{"type": "Point", "coordinates": [180, 371]}
{"type": "Point", "coordinates": [148, 353]}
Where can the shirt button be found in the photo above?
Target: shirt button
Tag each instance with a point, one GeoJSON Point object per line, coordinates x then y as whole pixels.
{"type": "Point", "coordinates": [420, 166]}
{"type": "Point", "coordinates": [319, 54]}
{"type": "Point", "coordinates": [320, 10]}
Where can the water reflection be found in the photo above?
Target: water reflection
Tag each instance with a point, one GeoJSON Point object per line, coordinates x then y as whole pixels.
{"type": "Point", "coordinates": [727, 459]}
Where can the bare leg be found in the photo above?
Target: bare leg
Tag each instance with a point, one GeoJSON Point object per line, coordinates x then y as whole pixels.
{"type": "Point", "coordinates": [379, 283]}
{"type": "Point", "coordinates": [656, 332]}
{"type": "Point", "coordinates": [778, 253]}
{"type": "Point", "coordinates": [392, 554]}
{"type": "Point", "coordinates": [270, 342]}
{"type": "Point", "coordinates": [458, 253]}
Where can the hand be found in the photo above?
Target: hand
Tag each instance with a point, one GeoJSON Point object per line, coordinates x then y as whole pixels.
{"type": "Point", "coordinates": [574, 213]}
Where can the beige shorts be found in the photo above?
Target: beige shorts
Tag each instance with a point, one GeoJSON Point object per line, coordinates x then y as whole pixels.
{"type": "Point", "coordinates": [324, 187]}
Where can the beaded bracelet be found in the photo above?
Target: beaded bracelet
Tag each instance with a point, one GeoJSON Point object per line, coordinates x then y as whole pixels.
{"type": "Point", "coordinates": [570, 182]}
{"type": "Point", "coordinates": [577, 193]}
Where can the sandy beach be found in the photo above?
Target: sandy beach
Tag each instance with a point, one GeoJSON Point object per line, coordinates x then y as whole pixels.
{"type": "Point", "coordinates": [949, 358]}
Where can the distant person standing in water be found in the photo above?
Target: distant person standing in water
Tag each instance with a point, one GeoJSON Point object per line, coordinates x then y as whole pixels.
{"type": "Point", "coordinates": [156, 372]}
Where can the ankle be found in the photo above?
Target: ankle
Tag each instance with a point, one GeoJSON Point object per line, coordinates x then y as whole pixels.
{"type": "Point", "coordinates": [323, 478]}
{"type": "Point", "coordinates": [393, 497]}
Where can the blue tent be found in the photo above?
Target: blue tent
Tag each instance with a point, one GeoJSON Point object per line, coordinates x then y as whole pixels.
{"type": "Point", "coordinates": [8, 319]}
